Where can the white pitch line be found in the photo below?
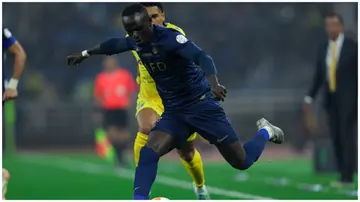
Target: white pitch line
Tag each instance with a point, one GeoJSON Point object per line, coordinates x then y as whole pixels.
{"type": "Point", "coordinates": [88, 167]}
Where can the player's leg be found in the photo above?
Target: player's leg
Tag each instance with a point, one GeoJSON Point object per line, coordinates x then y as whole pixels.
{"type": "Point", "coordinates": [146, 118]}
{"type": "Point", "coordinates": [191, 159]}
{"type": "Point", "coordinates": [244, 156]}
{"type": "Point", "coordinates": [210, 121]}
{"type": "Point", "coordinates": [161, 141]}
{"type": "Point", "coordinates": [116, 129]}
{"type": "Point", "coordinates": [147, 115]}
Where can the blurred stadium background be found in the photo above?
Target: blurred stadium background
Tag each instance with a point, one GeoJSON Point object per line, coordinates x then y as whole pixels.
{"type": "Point", "coordinates": [265, 54]}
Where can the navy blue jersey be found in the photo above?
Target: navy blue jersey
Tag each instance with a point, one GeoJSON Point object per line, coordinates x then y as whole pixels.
{"type": "Point", "coordinates": [178, 80]}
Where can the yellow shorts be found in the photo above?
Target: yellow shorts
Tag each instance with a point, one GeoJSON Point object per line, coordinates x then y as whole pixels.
{"type": "Point", "coordinates": [157, 106]}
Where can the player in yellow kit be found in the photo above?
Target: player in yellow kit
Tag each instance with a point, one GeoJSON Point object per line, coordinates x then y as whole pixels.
{"type": "Point", "coordinates": [149, 108]}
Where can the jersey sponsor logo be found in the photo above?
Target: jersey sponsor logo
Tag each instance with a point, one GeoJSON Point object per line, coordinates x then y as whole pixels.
{"type": "Point", "coordinates": [7, 33]}
{"type": "Point", "coordinates": [181, 39]}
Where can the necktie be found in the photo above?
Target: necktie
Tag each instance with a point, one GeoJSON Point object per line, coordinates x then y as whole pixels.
{"type": "Point", "coordinates": [332, 81]}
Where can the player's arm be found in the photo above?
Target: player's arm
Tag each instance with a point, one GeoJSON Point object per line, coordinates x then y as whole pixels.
{"type": "Point", "coordinates": [108, 47]}
{"type": "Point", "coordinates": [188, 49]}
{"type": "Point", "coordinates": [14, 47]}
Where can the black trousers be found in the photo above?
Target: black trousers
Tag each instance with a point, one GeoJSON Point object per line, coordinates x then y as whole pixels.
{"type": "Point", "coordinates": [342, 125]}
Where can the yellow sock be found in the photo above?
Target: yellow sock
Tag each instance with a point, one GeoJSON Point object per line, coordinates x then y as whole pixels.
{"type": "Point", "coordinates": [195, 169]}
{"type": "Point", "coordinates": [140, 142]}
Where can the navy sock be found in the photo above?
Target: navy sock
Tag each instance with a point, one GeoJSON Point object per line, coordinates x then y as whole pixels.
{"type": "Point", "coordinates": [255, 147]}
{"type": "Point", "coordinates": [145, 173]}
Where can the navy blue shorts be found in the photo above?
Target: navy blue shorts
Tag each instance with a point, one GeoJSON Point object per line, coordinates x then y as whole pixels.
{"type": "Point", "coordinates": [206, 117]}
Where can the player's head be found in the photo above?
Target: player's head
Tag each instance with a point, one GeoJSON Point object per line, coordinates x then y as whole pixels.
{"type": "Point", "coordinates": [110, 64]}
{"type": "Point", "coordinates": [155, 11]}
{"type": "Point", "coordinates": [334, 25]}
{"type": "Point", "coordinates": [137, 23]}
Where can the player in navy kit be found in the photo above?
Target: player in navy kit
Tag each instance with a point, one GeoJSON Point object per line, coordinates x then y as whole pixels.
{"type": "Point", "coordinates": [9, 89]}
{"type": "Point", "coordinates": [187, 93]}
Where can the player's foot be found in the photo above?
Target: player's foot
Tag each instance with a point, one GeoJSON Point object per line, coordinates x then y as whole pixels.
{"type": "Point", "coordinates": [276, 134]}
{"type": "Point", "coordinates": [201, 192]}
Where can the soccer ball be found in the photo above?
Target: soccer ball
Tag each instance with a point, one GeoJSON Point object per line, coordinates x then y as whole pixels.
{"type": "Point", "coordinates": [160, 198]}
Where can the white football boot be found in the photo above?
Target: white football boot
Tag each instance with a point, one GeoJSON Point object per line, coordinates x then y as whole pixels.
{"type": "Point", "coordinates": [276, 135]}
{"type": "Point", "coordinates": [201, 192]}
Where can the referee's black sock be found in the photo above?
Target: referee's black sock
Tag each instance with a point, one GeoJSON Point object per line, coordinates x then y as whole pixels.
{"type": "Point", "coordinates": [120, 153]}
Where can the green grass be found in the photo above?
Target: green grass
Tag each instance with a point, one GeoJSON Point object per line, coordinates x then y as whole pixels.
{"type": "Point", "coordinates": [87, 177]}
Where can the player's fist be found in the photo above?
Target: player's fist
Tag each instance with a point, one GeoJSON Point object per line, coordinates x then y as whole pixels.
{"type": "Point", "coordinates": [75, 59]}
{"type": "Point", "coordinates": [10, 94]}
{"type": "Point", "coordinates": [218, 91]}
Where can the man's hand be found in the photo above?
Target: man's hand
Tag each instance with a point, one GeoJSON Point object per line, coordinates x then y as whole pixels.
{"type": "Point", "coordinates": [218, 91]}
{"type": "Point", "coordinates": [75, 59]}
{"type": "Point", "coordinates": [310, 120]}
{"type": "Point", "coordinates": [10, 94]}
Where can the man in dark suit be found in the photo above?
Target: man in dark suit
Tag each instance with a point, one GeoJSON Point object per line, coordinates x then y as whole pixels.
{"type": "Point", "coordinates": [336, 72]}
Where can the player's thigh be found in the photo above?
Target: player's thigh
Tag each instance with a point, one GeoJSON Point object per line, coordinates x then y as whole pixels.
{"type": "Point", "coordinates": [172, 124]}
{"type": "Point", "coordinates": [147, 115]}
{"type": "Point", "coordinates": [233, 153]}
{"type": "Point", "coordinates": [161, 142]}
{"type": "Point", "coordinates": [211, 123]}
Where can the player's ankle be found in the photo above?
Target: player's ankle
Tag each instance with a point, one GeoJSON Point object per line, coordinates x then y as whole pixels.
{"type": "Point", "coordinates": [269, 130]}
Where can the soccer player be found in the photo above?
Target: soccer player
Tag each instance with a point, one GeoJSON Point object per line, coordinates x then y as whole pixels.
{"type": "Point", "coordinates": [150, 107]}
{"type": "Point", "coordinates": [188, 97]}
{"type": "Point", "coordinates": [9, 89]}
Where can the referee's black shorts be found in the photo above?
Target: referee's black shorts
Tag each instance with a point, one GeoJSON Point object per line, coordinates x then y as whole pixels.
{"type": "Point", "coordinates": [116, 118]}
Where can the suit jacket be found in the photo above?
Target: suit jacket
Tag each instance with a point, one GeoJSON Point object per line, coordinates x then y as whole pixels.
{"type": "Point", "coordinates": [346, 75]}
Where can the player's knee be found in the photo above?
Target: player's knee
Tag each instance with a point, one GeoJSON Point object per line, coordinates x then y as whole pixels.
{"type": "Point", "coordinates": [239, 166]}
{"type": "Point", "coordinates": [145, 128]}
{"type": "Point", "coordinates": [238, 162]}
{"type": "Point", "coordinates": [187, 154]}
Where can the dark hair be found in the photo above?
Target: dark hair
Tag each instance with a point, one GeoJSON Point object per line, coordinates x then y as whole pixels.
{"type": "Point", "coordinates": [335, 15]}
{"type": "Point", "coordinates": [134, 8]}
{"type": "Point", "coordinates": [151, 4]}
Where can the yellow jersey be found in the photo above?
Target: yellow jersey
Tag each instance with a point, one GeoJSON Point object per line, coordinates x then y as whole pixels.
{"type": "Point", "coordinates": [146, 82]}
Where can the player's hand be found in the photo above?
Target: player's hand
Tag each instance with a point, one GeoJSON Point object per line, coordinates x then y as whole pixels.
{"type": "Point", "coordinates": [75, 59]}
{"type": "Point", "coordinates": [218, 91]}
{"type": "Point", "coordinates": [10, 94]}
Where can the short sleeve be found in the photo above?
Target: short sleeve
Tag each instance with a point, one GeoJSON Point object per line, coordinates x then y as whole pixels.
{"type": "Point", "coordinates": [175, 41]}
{"type": "Point", "coordinates": [8, 38]}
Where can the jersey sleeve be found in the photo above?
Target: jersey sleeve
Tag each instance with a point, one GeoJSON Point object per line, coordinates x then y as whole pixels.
{"type": "Point", "coordinates": [8, 38]}
{"type": "Point", "coordinates": [178, 43]}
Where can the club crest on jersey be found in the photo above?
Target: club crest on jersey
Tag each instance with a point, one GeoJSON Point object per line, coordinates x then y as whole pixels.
{"type": "Point", "coordinates": [181, 39]}
{"type": "Point", "coordinates": [155, 50]}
